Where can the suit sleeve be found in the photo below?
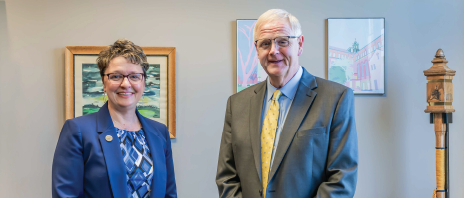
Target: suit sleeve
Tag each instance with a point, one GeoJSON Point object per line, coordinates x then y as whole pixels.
{"type": "Point", "coordinates": [227, 179]}
{"type": "Point", "coordinates": [171, 191]}
{"type": "Point", "coordinates": [68, 163]}
{"type": "Point", "coordinates": [342, 161]}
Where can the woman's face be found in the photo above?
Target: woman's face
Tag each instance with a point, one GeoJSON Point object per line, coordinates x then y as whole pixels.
{"type": "Point", "coordinates": [124, 95]}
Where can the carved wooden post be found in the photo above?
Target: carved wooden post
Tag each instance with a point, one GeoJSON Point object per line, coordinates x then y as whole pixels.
{"type": "Point", "coordinates": [440, 99]}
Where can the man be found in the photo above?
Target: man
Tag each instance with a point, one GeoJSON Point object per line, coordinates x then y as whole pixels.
{"type": "Point", "coordinates": [293, 135]}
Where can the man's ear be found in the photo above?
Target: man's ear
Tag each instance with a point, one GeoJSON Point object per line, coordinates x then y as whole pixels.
{"type": "Point", "coordinates": [300, 45]}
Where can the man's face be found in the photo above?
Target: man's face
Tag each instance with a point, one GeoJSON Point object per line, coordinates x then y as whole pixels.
{"type": "Point", "coordinates": [279, 61]}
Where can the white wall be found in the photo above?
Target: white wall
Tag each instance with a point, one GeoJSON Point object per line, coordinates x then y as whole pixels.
{"type": "Point", "coordinates": [396, 141]}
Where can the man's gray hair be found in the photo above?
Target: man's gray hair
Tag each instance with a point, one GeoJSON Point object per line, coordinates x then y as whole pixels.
{"type": "Point", "coordinates": [278, 14]}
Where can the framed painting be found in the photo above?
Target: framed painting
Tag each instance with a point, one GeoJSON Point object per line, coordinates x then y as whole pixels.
{"type": "Point", "coordinates": [249, 70]}
{"type": "Point", "coordinates": [84, 88]}
{"type": "Point", "coordinates": [356, 54]}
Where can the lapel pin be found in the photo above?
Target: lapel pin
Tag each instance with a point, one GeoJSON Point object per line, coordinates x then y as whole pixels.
{"type": "Point", "coordinates": [109, 138]}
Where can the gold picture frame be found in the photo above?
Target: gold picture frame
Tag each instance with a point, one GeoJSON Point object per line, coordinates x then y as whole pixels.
{"type": "Point", "coordinates": [166, 86]}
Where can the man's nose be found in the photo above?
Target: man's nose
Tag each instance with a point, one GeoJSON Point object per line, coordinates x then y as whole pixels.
{"type": "Point", "coordinates": [274, 48]}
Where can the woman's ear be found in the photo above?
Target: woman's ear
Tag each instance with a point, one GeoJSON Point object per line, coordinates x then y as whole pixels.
{"type": "Point", "coordinates": [103, 82]}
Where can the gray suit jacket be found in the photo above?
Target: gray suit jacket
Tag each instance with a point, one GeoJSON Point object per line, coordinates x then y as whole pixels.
{"type": "Point", "coordinates": [317, 154]}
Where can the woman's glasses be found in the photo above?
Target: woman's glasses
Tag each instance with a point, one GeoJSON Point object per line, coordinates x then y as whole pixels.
{"type": "Point", "coordinates": [116, 78]}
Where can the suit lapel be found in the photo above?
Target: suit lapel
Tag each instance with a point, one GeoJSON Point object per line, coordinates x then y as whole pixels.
{"type": "Point", "coordinates": [112, 153]}
{"type": "Point", "coordinates": [304, 97]}
{"type": "Point", "coordinates": [156, 145]}
{"type": "Point", "coordinates": [256, 108]}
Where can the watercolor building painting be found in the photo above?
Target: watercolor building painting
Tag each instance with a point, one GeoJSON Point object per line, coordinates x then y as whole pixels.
{"type": "Point", "coordinates": [356, 54]}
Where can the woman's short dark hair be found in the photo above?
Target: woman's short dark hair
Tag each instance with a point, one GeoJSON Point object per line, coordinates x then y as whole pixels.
{"type": "Point", "coordinates": [124, 48]}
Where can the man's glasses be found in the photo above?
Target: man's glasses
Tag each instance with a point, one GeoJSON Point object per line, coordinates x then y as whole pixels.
{"type": "Point", "coordinates": [116, 78]}
{"type": "Point", "coordinates": [281, 41]}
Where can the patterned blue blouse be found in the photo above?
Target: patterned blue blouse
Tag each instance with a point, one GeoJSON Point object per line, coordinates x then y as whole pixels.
{"type": "Point", "coordinates": [137, 158]}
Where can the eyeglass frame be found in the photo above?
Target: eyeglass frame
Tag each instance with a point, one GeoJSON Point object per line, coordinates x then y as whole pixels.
{"type": "Point", "coordinates": [274, 39]}
{"type": "Point", "coordinates": [125, 76]}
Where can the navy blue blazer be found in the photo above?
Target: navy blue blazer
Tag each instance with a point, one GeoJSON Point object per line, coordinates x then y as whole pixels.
{"type": "Point", "coordinates": [86, 165]}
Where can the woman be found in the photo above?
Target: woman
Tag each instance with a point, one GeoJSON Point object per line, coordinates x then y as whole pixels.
{"type": "Point", "coordinates": [115, 152]}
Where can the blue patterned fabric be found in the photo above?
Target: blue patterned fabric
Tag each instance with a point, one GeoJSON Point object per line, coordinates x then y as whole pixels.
{"type": "Point", "coordinates": [137, 158]}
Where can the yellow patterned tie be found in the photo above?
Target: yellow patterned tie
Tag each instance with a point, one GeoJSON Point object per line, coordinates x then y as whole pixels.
{"type": "Point", "coordinates": [267, 137]}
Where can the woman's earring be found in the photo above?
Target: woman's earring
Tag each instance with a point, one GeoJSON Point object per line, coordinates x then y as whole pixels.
{"type": "Point", "coordinates": [105, 97]}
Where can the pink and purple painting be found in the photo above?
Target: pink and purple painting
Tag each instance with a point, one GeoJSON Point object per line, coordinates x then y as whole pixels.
{"type": "Point", "coordinates": [249, 71]}
{"type": "Point", "coordinates": [356, 54]}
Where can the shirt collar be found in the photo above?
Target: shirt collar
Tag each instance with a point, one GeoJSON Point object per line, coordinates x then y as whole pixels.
{"type": "Point", "coordinates": [289, 89]}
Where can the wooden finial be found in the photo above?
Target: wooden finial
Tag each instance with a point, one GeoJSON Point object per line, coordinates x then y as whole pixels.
{"type": "Point", "coordinates": [440, 54]}
{"type": "Point", "coordinates": [439, 67]}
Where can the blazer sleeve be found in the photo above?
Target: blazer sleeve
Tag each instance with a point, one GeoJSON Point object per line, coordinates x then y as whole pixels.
{"type": "Point", "coordinates": [342, 161]}
{"type": "Point", "coordinates": [171, 191]}
{"type": "Point", "coordinates": [68, 163]}
{"type": "Point", "coordinates": [227, 178]}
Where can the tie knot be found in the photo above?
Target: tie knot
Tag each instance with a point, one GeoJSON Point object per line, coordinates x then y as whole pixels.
{"type": "Point", "coordinates": [276, 95]}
